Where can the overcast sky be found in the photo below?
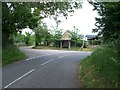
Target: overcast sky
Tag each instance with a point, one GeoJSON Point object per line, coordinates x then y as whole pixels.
{"type": "Point", "coordinates": [83, 19]}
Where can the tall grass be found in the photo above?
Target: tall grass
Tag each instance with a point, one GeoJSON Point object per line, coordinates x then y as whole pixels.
{"type": "Point", "coordinates": [11, 54]}
{"type": "Point", "coordinates": [100, 70]}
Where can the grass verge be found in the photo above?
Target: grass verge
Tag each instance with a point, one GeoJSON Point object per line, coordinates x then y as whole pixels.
{"type": "Point", "coordinates": [11, 54]}
{"type": "Point", "coordinates": [100, 70]}
{"type": "Point", "coordinates": [46, 47]}
{"type": "Point", "coordinates": [71, 49]}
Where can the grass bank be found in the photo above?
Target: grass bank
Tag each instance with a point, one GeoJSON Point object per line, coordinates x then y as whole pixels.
{"type": "Point", "coordinates": [11, 54]}
{"type": "Point", "coordinates": [100, 70]}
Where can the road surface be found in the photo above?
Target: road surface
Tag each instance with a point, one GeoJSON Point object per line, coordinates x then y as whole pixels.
{"type": "Point", "coordinates": [44, 69]}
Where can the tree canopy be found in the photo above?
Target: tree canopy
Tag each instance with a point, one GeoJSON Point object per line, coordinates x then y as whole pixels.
{"type": "Point", "coordinates": [19, 15]}
{"type": "Point", "coordinates": [108, 24]}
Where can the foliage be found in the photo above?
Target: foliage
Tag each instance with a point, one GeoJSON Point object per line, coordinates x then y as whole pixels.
{"type": "Point", "coordinates": [11, 54]}
{"type": "Point", "coordinates": [18, 38]}
{"type": "Point", "coordinates": [109, 24]}
{"type": "Point", "coordinates": [18, 15]}
{"type": "Point", "coordinates": [100, 70]}
{"type": "Point", "coordinates": [94, 42]}
{"type": "Point", "coordinates": [57, 37]}
{"type": "Point", "coordinates": [41, 34]}
{"type": "Point", "coordinates": [32, 40]}
{"type": "Point", "coordinates": [44, 36]}
{"type": "Point", "coordinates": [109, 20]}
{"type": "Point", "coordinates": [27, 38]}
{"type": "Point", "coordinates": [76, 40]}
{"type": "Point", "coordinates": [21, 40]}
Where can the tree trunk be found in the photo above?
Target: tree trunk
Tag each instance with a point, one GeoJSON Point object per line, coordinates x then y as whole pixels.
{"type": "Point", "coordinates": [36, 40]}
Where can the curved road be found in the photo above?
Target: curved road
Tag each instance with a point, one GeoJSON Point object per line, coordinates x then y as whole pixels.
{"type": "Point", "coordinates": [44, 69]}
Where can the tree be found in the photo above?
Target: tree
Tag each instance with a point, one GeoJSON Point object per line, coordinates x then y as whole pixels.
{"type": "Point", "coordinates": [18, 15]}
{"type": "Point", "coordinates": [41, 33]}
{"type": "Point", "coordinates": [15, 16]}
{"type": "Point", "coordinates": [27, 38]}
{"type": "Point", "coordinates": [19, 38]}
{"type": "Point", "coordinates": [109, 22]}
{"type": "Point", "coordinates": [76, 39]}
{"type": "Point", "coordinates": [54, 9]}
{"type": "Point", "coordinates": [109, 26]}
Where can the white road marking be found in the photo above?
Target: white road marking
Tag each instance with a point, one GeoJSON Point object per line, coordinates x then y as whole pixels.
{"type": "Point", "coordinates": [60, 56]}
{"type": "Point", "coordinates": [47, 61]}
{"type": "Point", "coordinates": [19, 78]}
{"type": "Point", "coordinates": [38, 56]}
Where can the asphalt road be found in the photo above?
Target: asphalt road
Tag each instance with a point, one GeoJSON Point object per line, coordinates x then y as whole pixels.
{"type": "Point", "coordinates": [44, 69]}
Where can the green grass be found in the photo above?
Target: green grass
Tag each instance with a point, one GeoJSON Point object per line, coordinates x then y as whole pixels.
{"type": "Point", "coordinates": [87, 49]}
{"type": "Point", "coordinates": [46, 47]}
{"type": "Point", "coordinates": [100, 70]}
{"type": "Point", "coordinates": [11, 54]}
{"type": "Point", "coordinates": [72, 48]}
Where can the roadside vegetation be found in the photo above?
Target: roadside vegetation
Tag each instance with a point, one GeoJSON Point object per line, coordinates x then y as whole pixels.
{"type": "Point", "coordinates": [100, 70]}
{"type": "Point", "coordinates": [11, 54]}
{"type": "Point", "coordinates": [17, 16]}
{"type": "Point", "coordinates": [72, 48]}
